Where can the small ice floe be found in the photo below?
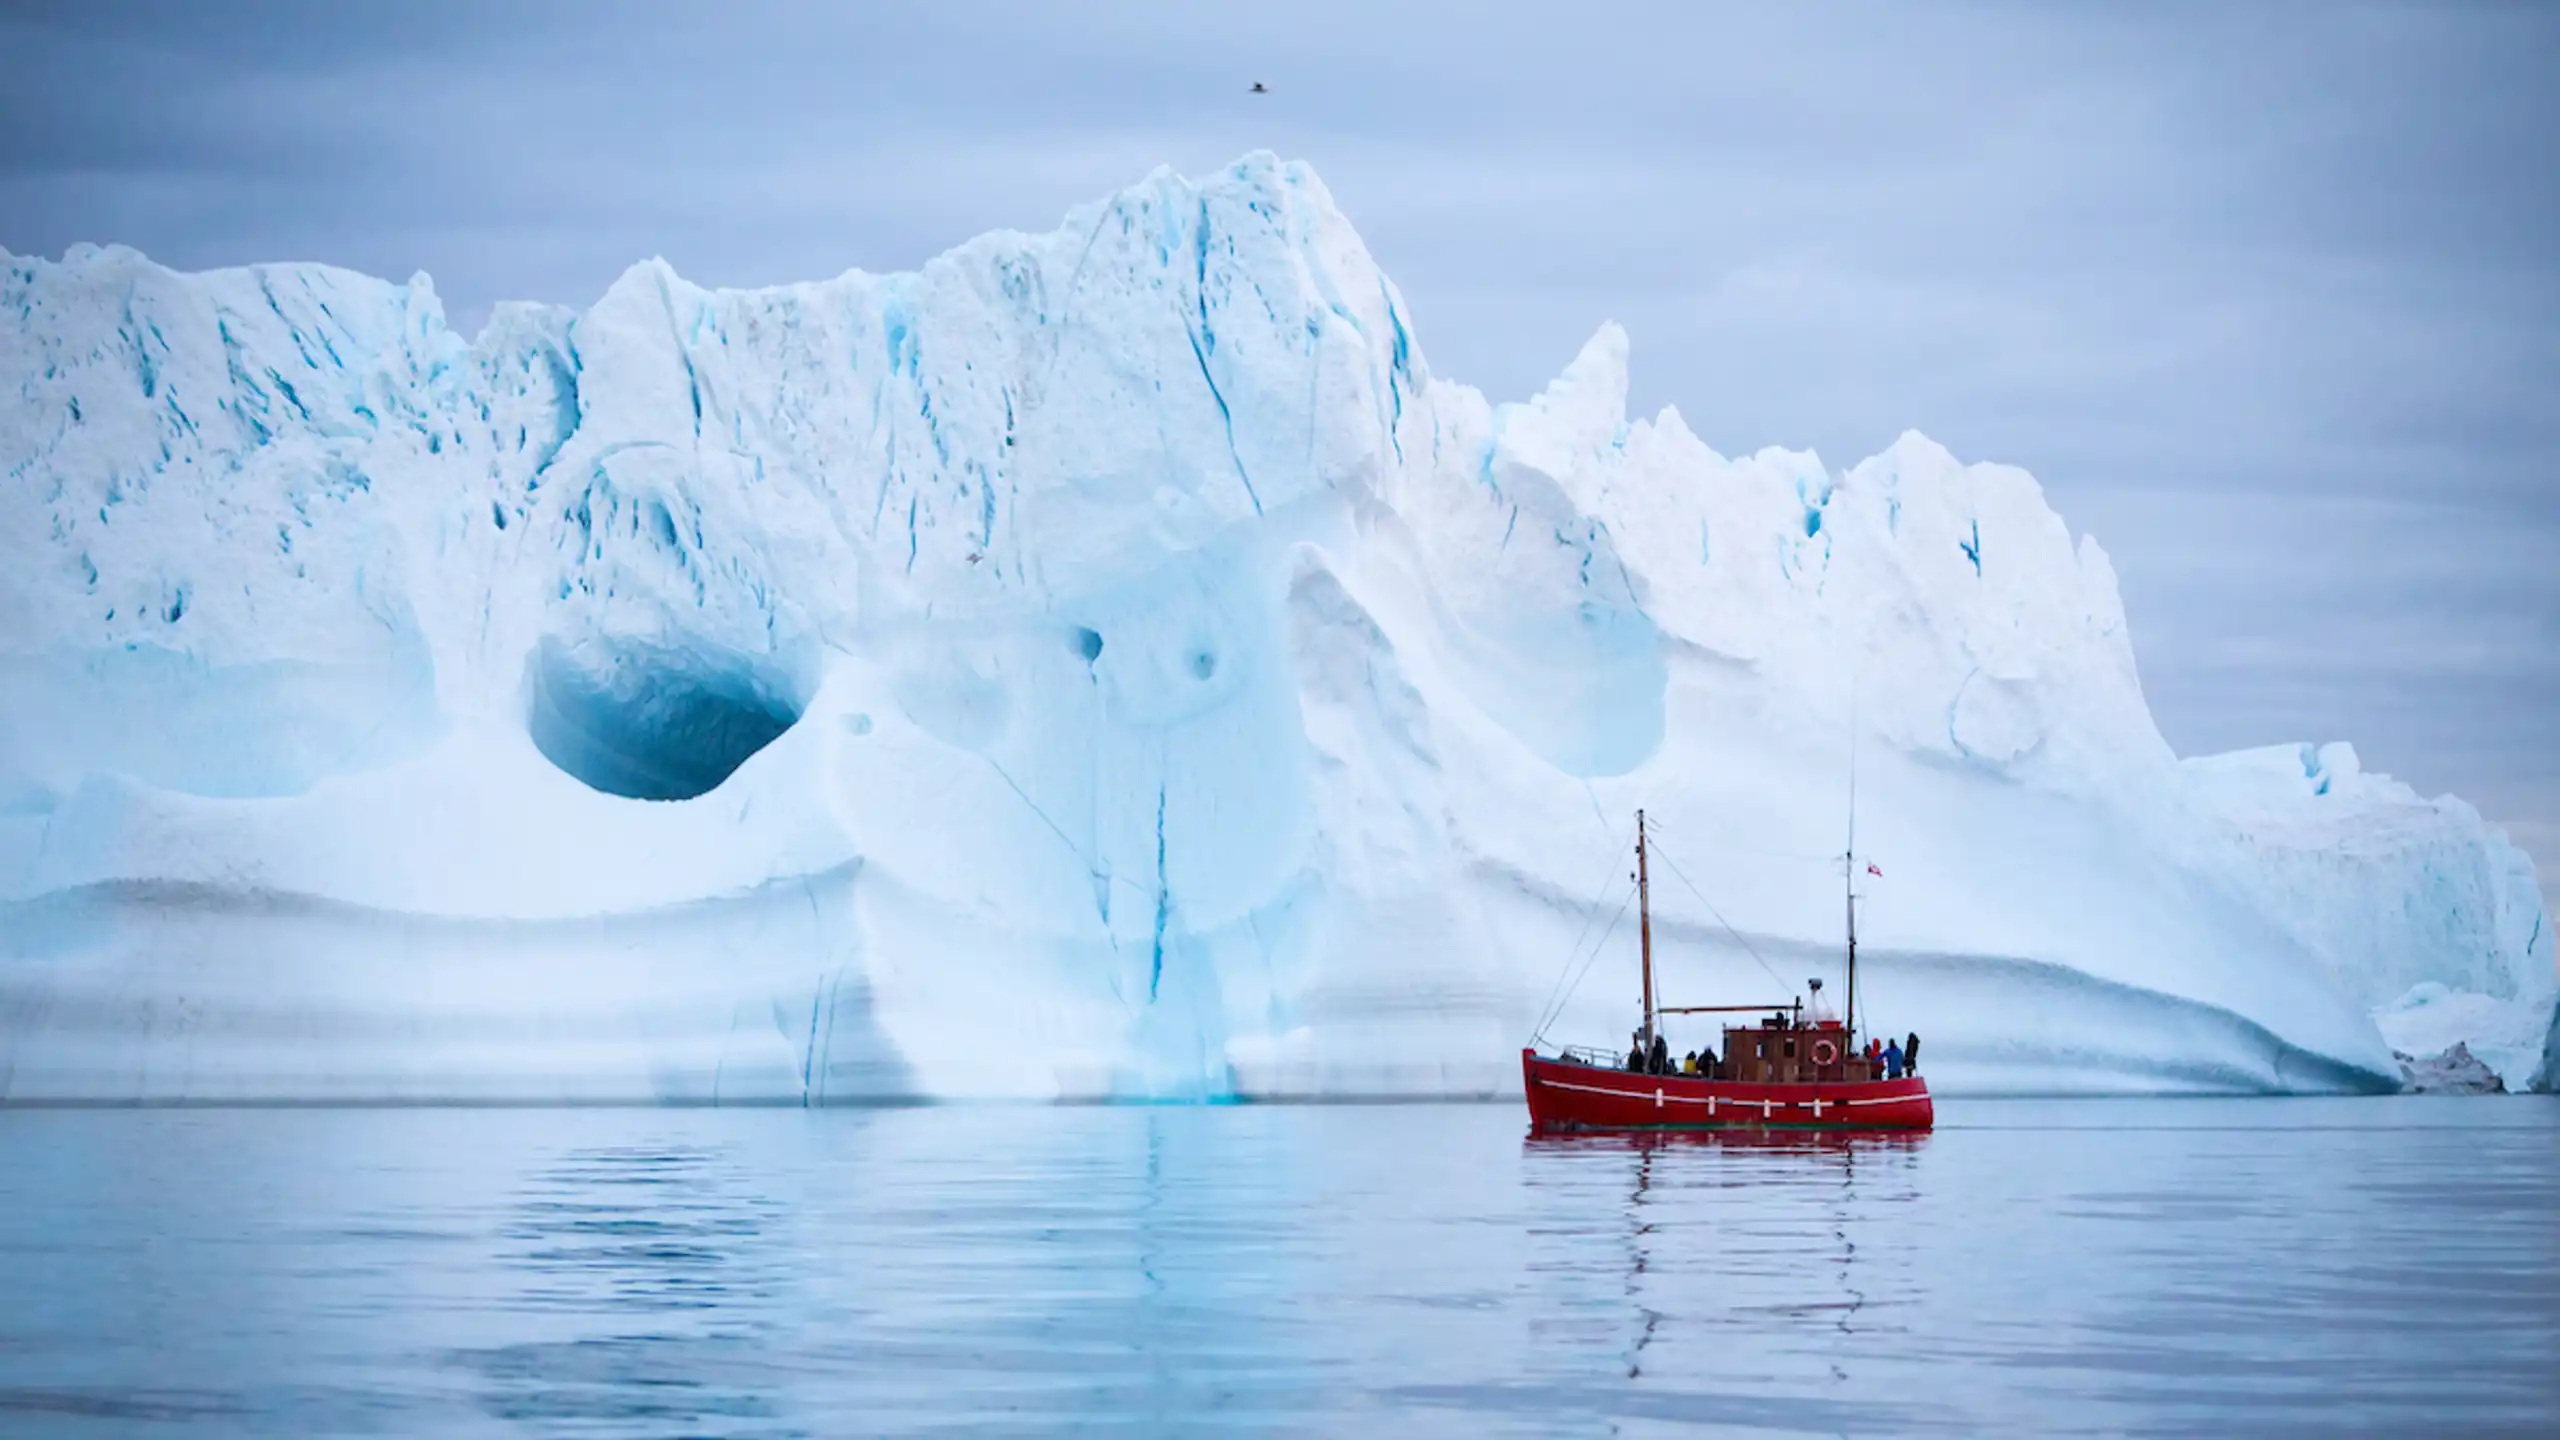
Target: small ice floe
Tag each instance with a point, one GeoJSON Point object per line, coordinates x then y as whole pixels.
{"type": "Point", "coordinates": [2451, 1071]}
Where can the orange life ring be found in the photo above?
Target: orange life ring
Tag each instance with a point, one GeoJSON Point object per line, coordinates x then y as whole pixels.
{"type": "Point", "coordinates": [1824, 1052]}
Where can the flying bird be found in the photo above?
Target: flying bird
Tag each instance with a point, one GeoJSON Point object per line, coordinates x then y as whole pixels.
{"type": "Point", "coordinates": [1259, 89]}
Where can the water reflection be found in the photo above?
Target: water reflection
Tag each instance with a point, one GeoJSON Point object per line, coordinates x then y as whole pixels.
{"type": "Point", "coordinates": [1738, 1138]}
{"type": "Point", "coordinates": [1639, 1260]}
{"type": "Point", "coordinates": [651, 1279]}
{"type": "Point", "coordinates": [1739, 1258]}
{"type": "Point", "coordinates": [2095, 1267]}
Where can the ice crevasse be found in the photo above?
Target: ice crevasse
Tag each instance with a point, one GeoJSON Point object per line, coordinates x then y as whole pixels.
{"type": "Point", "coordinates": [1099, 663]}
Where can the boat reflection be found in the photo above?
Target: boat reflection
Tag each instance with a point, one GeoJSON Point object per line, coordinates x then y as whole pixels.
{"type": "Point", "coordinates": [1720, 1241]}
{"type": "Point", "coordinates": [1811, 1142]}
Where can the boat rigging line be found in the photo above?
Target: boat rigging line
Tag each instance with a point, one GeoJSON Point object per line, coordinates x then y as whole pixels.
{"type": "Point", "coordinates": [1556, 1010]}
{"type": "Point", "coordinates": [1728, 848]}
{"type": "Point", "coordinates": [1590, 913]}
{"type": "Point", "coordinates": [1727, 924]}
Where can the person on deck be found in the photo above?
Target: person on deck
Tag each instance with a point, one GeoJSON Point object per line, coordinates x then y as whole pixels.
{"type": "Point", "coordinates": [1911, 1052]}
{"type": "Point", "coordinates": [1635, 1051]}
{"type": "Point", "coordinates": [1661, 1055]}
{"type": "Point", "coordinates": [1707, 1061]}
{"type": "Point", "coordinates": [1892, 1060]}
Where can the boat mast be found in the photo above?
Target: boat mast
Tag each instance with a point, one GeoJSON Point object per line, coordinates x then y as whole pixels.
{"type": "Point", "coordinates": [1849, 886]}
{"type": "Point", "coordinates": [1849, 1012]}
{"type": "Point", "coordinates": [1644, 926]}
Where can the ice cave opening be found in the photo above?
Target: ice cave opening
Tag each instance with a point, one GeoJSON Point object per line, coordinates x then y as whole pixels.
{"type": "Point", "coordinates": [655, 720]}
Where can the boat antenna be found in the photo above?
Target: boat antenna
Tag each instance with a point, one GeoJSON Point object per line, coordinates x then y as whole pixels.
{"type": "Point", "coordinates": [1644, 926]}
{"type": "Point", "coordinates": [1849, 871]}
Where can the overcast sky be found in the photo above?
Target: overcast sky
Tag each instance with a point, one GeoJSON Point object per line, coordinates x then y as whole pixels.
{"type": "Point", "coordinates": [2268, 298]}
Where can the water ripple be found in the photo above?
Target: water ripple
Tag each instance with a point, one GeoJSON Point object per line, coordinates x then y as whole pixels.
{"type": "Point", "coordinates": [2082, 1267]}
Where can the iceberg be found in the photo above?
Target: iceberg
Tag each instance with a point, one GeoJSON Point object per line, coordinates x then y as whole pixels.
{"type": "Point", "coordinates": [2417, 906]}
{"type": "Point", "coordinates": [1103, 663]}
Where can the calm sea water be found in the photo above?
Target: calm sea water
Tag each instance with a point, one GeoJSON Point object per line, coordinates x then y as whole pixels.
{"type": "Point", "coordinates": [2105, 1267]}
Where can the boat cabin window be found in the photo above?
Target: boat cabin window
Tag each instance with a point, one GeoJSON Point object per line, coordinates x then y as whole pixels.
{"type": "Point", "coordinates": [1791, 1049]}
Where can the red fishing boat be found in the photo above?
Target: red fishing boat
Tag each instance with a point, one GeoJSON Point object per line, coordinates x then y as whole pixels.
{"type": "Point", "coordinates": [1786, 1069]}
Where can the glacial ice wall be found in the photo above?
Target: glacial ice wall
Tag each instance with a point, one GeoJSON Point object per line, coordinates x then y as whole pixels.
{"type": "Point", "coordinates": [1105, 662]}
{"type": "Point", "coordinates": [2414, 903]}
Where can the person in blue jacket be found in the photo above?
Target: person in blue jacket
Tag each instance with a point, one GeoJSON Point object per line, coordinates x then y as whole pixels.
{"type": "Point", "coordinates": [1893, 1059]}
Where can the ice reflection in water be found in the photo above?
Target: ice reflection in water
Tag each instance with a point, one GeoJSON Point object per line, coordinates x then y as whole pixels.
{"type": "Point", "coordinates": [656, 1262]}
{"type": "Point", "coordinates": [2088, 1267]}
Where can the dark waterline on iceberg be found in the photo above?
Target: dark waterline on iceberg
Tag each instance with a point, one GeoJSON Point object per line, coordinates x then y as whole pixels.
{"type": "Point", "coordinates": [2223, 1266]}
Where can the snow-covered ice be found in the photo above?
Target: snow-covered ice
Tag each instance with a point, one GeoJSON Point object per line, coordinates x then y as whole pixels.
{"type": "Point", "coordinates": [1106, 662]}
{"type": "Point", "coordinates": [2451, 1071]}
{"type": "Point", "coordinates": [2419, 908]}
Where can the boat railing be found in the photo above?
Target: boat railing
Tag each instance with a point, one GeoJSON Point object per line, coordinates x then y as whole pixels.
{"type": "Point", "coordinates": [1588, 1055]}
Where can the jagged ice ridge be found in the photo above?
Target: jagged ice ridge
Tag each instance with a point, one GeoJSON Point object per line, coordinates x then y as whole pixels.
{"type": "Point", "coordinates": [1107, 662]}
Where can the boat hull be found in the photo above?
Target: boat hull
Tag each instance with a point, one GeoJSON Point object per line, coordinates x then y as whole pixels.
{"type": "Point", "coordinates": [1564, 1095]}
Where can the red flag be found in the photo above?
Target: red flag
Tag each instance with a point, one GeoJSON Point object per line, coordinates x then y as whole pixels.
{"type": "Point", "coordinates": [1872, 870]}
